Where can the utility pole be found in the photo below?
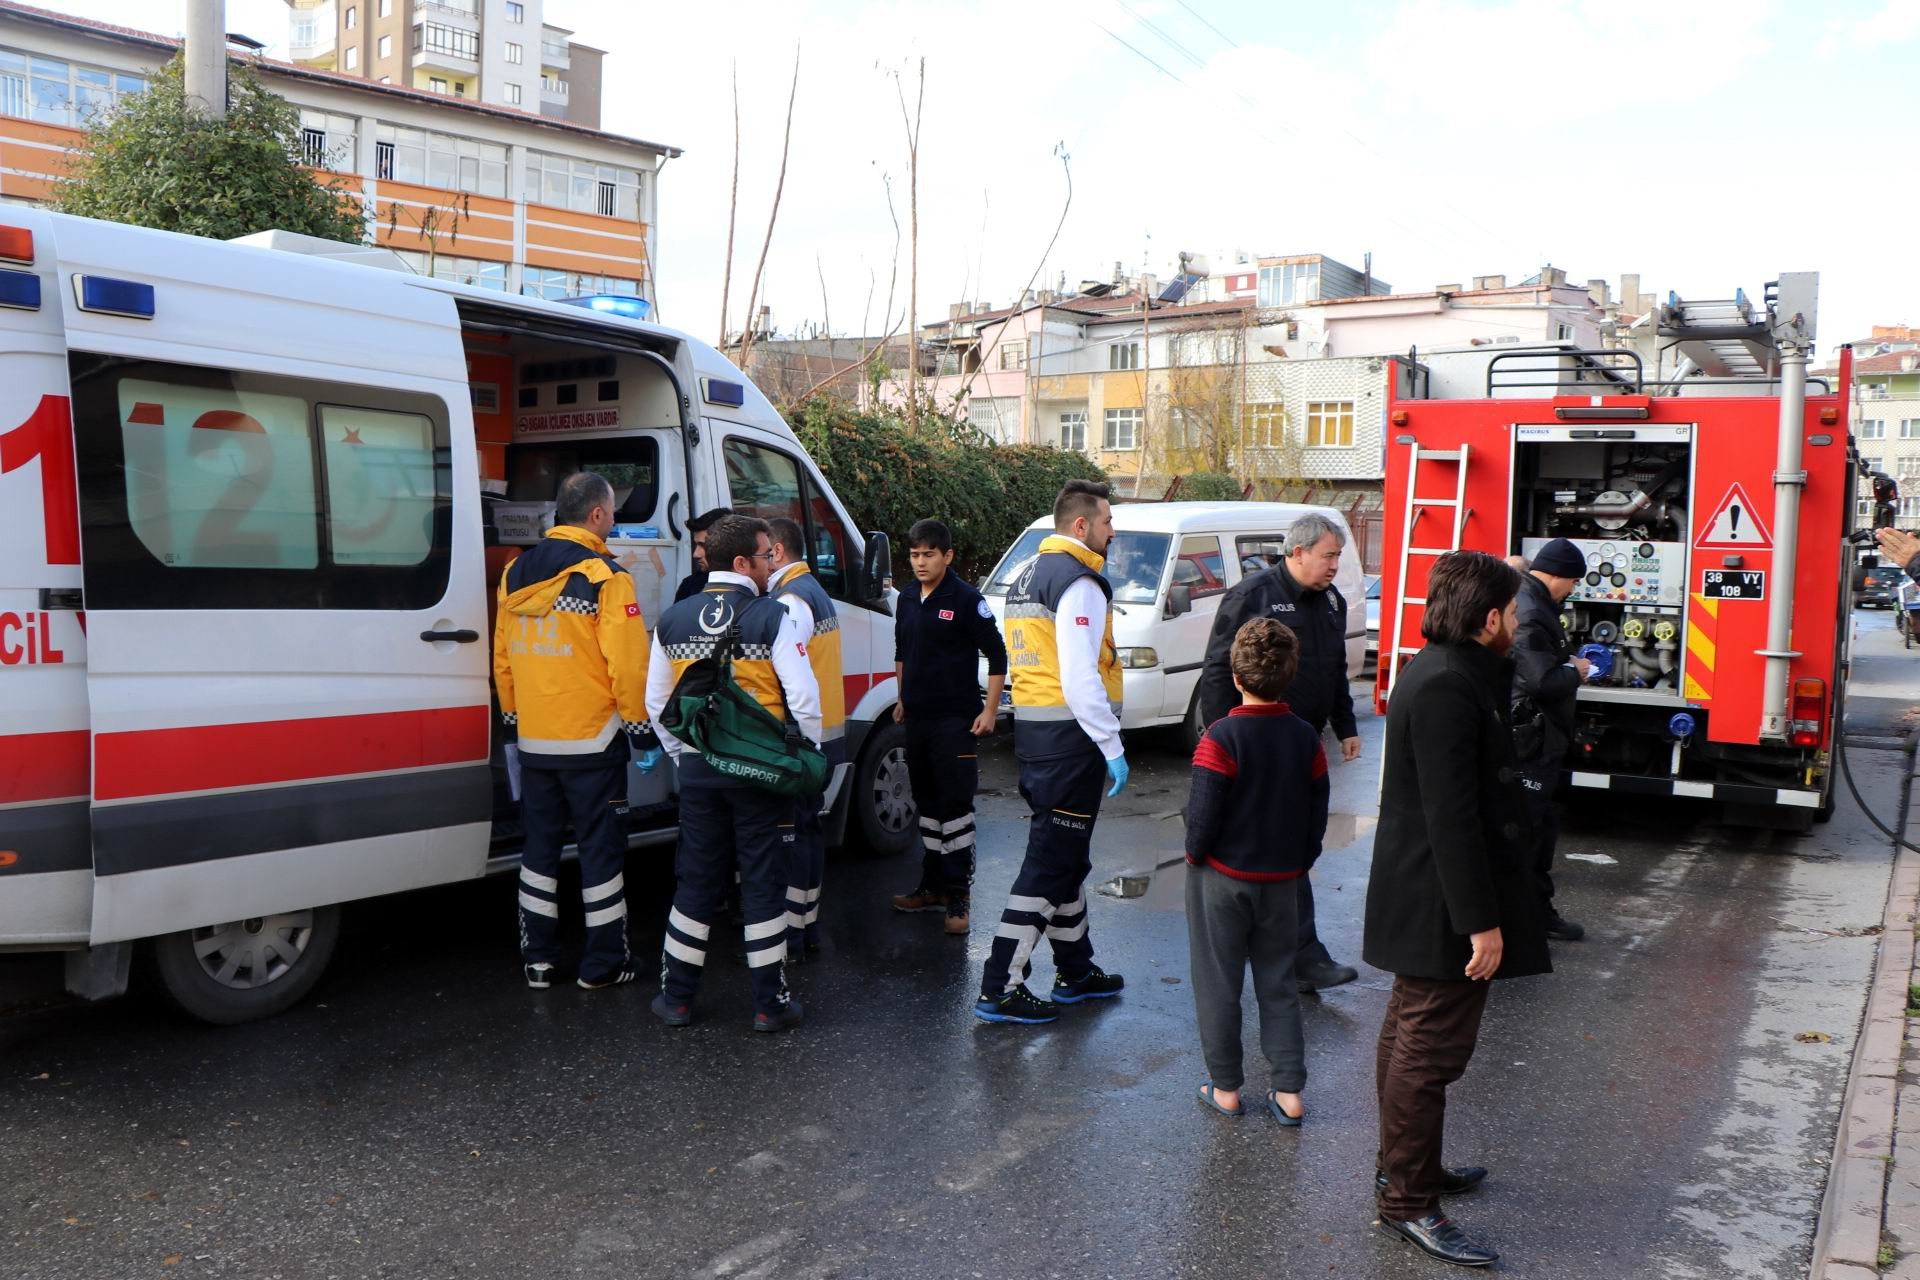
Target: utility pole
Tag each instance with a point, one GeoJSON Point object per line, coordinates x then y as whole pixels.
{"type": "Point", "coordinates": [206, 58]}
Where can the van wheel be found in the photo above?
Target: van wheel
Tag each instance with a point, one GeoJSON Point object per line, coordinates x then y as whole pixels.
{"type": "Point", "coordinates": [889, 819]}
{"type": "Point", "coordinates": [246, 969]}
{"type": "Point", "coordinates": [1191, 728]}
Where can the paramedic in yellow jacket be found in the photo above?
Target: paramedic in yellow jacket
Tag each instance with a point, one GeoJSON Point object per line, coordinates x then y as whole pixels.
{"type": "Point", "coordinates": [1066, 739]}
{"type": "Point", "coordinates": [794, 585]}
{"type": "Point", "coordinates": [570, 666]}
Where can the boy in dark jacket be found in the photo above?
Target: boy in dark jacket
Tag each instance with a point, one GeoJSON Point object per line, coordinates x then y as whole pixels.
{"type": "Point", "coordinates": [1256, 816]}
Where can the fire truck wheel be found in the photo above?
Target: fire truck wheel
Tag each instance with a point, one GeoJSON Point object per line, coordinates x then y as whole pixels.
{"type": "Point", "coordinates": [246, 969]}
{"type": "Point", "coordinates": [882, 796]}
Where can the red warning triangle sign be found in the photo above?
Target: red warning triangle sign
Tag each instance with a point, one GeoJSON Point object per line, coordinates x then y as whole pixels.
{"type": "Point", "coordinates": [1734, 525]}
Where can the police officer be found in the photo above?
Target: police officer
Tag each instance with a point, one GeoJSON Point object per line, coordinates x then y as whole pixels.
{"type": "Point", "coordinates": [725, 822]}
{"type": "Point", "coordinates": [1298, 591]}
{"type": "Point", "coordinates": [940, 632]}
{"type": "Point", "coordinates": [697, 530]}
{"type": "Point", "coordinates": [1546, 683]}
{"type": "Point", "coordinates": [1066, 739]}
{"type": "Point", "coordinates": [794, 585]}
{"type": "Point", "coordinates": [570, 668]}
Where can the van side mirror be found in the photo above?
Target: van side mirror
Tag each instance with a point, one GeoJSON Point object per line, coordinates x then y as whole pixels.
{"type": "Point", "coordinates": [879, 566]}
{"type": "Point", "coordinates": [1179, 599]}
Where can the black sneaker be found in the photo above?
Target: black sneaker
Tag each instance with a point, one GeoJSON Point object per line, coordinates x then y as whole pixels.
{"type": "Point", "coordinates": [674, 1015]}
{"type": "Point", "coordinates": [786, 1018]}
{"type": "Point", "coordinates": [1561, 929]}
{"type": "Point", "coordinates": [539, 976]}
{"type": "Point", "coordinates": [1097, 985]}
{"type": "Point", "coordinates": [1018, 1005]}
{"type": "Point", "coordinates": [611, 980]}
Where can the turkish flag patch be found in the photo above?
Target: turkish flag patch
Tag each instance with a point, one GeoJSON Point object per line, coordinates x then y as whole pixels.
{"type": "Point", "coordinates": [946, 615]}
{"type": "Point", "coordinates": [633, 611]}
{"type": "Point", "coordinates": [802, 648]}
{"type": "Point", "coordinates": [1079, 622]}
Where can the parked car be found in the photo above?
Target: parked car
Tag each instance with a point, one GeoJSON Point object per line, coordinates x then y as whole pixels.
{"type": "Point", "coordinates": [1876, 586]}
{"type": "Point", "coordinates": [1169, 564]}
{"type": "Point", "coordinates": [1373, 619]}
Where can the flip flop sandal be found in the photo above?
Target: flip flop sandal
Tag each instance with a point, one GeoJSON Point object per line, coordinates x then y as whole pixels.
{"type": "Point", "coordinates": [1206, 1099]}
{"type": "Point", "coordinates": [1286, 1121]}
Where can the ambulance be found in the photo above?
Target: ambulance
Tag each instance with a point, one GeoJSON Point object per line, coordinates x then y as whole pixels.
{"type": "Point", "coordinates": [254, 498]}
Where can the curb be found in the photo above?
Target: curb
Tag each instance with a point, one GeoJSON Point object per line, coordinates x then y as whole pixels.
{"type": "Point", "coordinates": [1855, 1209]}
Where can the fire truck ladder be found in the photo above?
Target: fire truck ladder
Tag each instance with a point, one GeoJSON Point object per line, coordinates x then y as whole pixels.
{"type": "Point", "coordinates": [1417, 507]}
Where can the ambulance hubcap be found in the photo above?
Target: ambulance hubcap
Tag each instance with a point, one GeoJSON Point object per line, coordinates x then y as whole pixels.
{"type": "Point", "coordinates": [892, 796]}
{"type": "Point", "coordinates": [245, 954]}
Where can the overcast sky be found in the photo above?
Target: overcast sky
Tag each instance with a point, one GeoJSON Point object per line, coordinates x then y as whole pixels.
{"type": "Point", "coordinates": [1706, 144]}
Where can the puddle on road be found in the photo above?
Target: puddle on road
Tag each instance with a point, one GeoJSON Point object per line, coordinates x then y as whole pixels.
{"type": "Point", "coordinates": [1163, 887]}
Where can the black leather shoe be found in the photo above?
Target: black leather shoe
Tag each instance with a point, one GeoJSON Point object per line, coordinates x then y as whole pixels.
{"type": "Point", "coordinates": [1437, 1237]}
{"type": "Point", "coordinates": [1321, 976]}
{"type": "Point", "coordinates": [1453, 1182]}
{"type": "Point", "coordinates": [1562, 929]}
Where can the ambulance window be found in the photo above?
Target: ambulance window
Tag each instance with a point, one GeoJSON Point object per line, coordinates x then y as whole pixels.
{"type": "Point", "coordinates": [631, 464]}
{"type": "Point", "coordinates": [382, 484]}
{"type": "Point", "coordinates": [767, 483]}
{"type": "Point", "coordinates": [209, 488]}
{"type": "Point", "coordinates": [830, 554]}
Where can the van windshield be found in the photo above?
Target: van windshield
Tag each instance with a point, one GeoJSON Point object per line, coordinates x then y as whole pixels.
{"type": "Point", "coordinates": [1135, 562]}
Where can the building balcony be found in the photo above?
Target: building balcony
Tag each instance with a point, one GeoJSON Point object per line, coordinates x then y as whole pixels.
{"type": "Point", "coordinates": [318, 50]}
{"type": "Point", "coordinates": [442, 61]}
{"type": "Point", "coordinates": [554, 91]}
{"type": "Point", "coordinates": [464, 14]}
{"type": "Point", "coordinates": [555, 51]}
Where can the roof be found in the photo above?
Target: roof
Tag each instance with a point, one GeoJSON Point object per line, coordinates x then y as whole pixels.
{"type": "Point", "coordinates": [129, 35]}
{"type": "Point", "coordinates": [1450, 293]}
{"type": "Point", "coordinates": [1892, 362]}
{"type": "Point", "coordinates": [1182, 517]}
{"type": "Point", "coordinates": [1121, 306]}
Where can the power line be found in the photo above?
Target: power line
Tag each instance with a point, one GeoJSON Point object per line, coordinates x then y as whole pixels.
{"type": "Point", "coordinates": [1137, 53]}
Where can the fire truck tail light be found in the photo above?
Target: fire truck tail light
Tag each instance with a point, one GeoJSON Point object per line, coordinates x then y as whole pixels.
{"type": "Point", "coordinates": [1398, 417]}
{"type": "Point", "coordinates": [1809, 711]}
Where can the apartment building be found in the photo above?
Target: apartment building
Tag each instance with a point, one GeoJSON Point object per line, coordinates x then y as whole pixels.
{"type": "Point", "coordinates": [1886, 425]}
{"type": "Point", "coordinates": [492, 195]}
{"type": "Point", "coordinates": [497, 51]}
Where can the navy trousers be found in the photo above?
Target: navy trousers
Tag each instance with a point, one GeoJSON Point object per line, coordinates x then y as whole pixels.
{"type": "Point", "coordinates": [1049, 895]}
{"type": "Point", "coordinates": [806, 871]}
{"type": "Point", "coordinates": [1311, 952]}
{"type": "Point", "coordinates": [721, 829]}
{"type": "Point", "coordinates": [943, 766]}
{"type": "Point", "coordinates": [595, 802]}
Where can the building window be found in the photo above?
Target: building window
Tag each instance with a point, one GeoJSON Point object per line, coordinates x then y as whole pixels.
{"type": "Point", "coordinates": [1266, 425]}
{"type": "Point", "coordinates": [383, 160]}
{"type": "Point", "coordinates": [513, 94]}
{"type": "Point", "coordinates": [1563, 333]}
{"type": "Point", "coordinates": [1909, 508]}
{"type": "Point", "coordinates": [1186, 429]}
{"type": "Point", "coordinates": [54, 91]}
{"type": "Point", "coordinates": [1873, 429]}
{"type": "Point", "coordinates": [516, 12]}
{"type": "Point", "coordinates": [438, 160]}
{"type": "Point", "coordinates": [1073, 430]}
{"type": "Point", "coordinates": [386, 8]}
{"type": "Point", "coordinates": [1872, 464]}
{"type": "Point", "coordinates": [1123, 429]}
{"type": "Point", "coordinates": [1289, 283]}
{"type": "Point", "coordinates": [386, 46]}
{"type": "Point", "coordinates": [581, 185]}
{"type": "Point", "coordinates": [353, 17]}
{"type": "Point", "coordinates": [1330, 424]}
{"type": "Point", "coordinates": [1123, 355]}
{"type": "Point", "coordinates": [313, 147]}
{"type": "Point", "coordinates": [436, 84]}
{"type": "Point", "coordinates": [450, 41]}
{"type": "Point", "coordinates": [1910, 428]}
{"type": "Point", "coordinates": [353, 55]}
{"type": "Point", "coordinates": [474, 271]}
{"type": "Point", "coordinates": [1909, 468]}
{"type": "Point", "coordinates": [1013, 355]}
{"type": "Point", "coordinates": [554, 284]}
{"type": "Point", "coordinates": [516, 54]}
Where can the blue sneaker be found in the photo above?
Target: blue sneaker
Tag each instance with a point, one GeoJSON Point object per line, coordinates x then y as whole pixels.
{"type": "Point", "coordinates": [1018, 1005]}
{"type": "Point", "coordinates": [1096, 985]}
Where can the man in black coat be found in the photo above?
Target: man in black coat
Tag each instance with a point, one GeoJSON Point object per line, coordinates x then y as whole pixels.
{"type": "Point", "coordinates": [1546, 682]}
{"type": "Point", "coordinates": [1298, 591]}
{"type": "Point", "coordinates": [1451, 903]}
{"type": "Point", "coordinates": [696, 582]}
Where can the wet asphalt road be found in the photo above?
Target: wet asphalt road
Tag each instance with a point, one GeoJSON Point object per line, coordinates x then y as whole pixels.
{"type": "Point", "coordinates": [1646, 1109]}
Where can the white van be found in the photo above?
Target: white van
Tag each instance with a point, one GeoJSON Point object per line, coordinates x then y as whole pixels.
{"type": "Point", "coordinates": [246, 570]}
{"type": "Point", "coordinates": [1169, 564]}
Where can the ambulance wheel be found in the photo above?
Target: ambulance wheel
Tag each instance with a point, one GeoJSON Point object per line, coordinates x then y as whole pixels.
{"type": "Point", "coordinates": [246, 969]}
{"type": "Point", "coordinates": [882, 795]}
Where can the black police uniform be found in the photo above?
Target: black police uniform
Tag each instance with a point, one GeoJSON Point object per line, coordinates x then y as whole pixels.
{"type": "Point", "coordinates": [938, 641]}
{"type": "Point", "coordinates": [1545, 689]}
{"type": "Point", "coordinates": [1319, 694]}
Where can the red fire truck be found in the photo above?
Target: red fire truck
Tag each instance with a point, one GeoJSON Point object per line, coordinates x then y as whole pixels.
{"type": "Point", "coordinates": [1710, 484]}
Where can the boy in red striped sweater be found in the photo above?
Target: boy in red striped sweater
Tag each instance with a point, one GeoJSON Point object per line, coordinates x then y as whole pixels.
{"type": "Point", "coordinates": [1256, 815]}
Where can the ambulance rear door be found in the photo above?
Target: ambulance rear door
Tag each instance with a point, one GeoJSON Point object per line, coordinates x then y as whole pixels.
{"type": "Point", "coordinates": [46, 870]}
{"type": "Point", "coordinates": [288, 671]}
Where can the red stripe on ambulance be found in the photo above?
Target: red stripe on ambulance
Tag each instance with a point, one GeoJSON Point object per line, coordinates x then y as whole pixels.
{"type": "Point", "coordinates": [43, 766]}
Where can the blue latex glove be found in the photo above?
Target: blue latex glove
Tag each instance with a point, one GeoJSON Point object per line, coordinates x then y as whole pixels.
{"type": "Point", "coordinates": [1118, 771]}
{"type": "Point", "coordinates": [649, 760]}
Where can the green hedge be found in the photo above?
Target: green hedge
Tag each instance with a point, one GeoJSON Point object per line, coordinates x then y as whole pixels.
{"type": "Point", "coordinates": [891, 473]}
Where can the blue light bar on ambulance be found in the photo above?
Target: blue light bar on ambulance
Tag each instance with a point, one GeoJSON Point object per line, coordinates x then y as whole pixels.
{"type": "Point", "coordinates": [613, 304]}
{"type": "Point", "coordinates": [114, 297]}
{"type": "Point", "coordinates": [20, 289]}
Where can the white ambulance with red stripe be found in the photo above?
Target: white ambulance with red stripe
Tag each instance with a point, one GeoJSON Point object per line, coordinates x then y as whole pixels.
{"type": "Point", "coordinates": [253, 501]}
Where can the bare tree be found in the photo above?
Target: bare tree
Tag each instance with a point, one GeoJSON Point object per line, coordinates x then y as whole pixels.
{"type": "Point", "coordinates": [733, 207]}
{"type": "Point", "coordinates": [912, 124]}
{"type": "Point", "coordinates": [786, 142]}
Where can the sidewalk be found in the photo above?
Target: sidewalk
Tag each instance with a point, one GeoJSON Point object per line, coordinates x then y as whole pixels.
{"type": "Point", "coordinates": [1870, 1219]}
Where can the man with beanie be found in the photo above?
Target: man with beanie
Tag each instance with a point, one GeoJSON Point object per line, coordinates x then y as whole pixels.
{"type": "Point", "coordinates": [1546, 682]}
